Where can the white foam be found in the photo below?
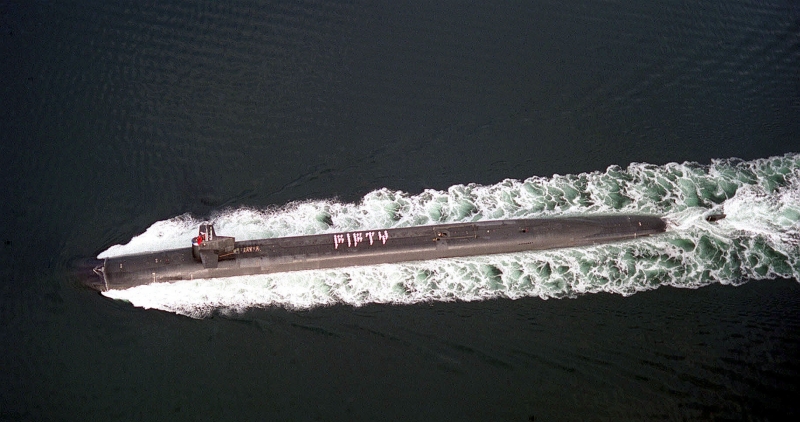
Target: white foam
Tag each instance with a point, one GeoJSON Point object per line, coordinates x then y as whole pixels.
{"type": "Point", "coordinates": [758, 239]}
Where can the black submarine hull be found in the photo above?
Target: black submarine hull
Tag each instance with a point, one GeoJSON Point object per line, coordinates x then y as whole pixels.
{"type": "Point", "coordinates": [371, 247]}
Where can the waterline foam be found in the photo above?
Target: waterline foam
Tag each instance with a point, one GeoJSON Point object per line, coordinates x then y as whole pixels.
{"type": "Point", "coordinates": [759, 239]}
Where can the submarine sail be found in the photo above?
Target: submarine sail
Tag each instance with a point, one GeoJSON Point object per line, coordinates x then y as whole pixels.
{"type": "Point", "coordinates": [213, 256]}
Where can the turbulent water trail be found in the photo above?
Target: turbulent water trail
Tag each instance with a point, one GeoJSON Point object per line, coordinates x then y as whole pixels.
{"type": "Point", "coordinates": [759, 239]}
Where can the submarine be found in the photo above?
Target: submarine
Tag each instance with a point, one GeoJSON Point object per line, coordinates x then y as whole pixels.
{"type": "Point", "coordinates": [213, 256]}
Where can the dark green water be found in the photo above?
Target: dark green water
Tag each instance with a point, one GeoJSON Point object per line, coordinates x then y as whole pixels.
{"type": "Point", "coordinates": [116, 115]}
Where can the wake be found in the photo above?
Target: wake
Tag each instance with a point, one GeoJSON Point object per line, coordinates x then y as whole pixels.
{"type": "Point", "coordinates": [759, 239]}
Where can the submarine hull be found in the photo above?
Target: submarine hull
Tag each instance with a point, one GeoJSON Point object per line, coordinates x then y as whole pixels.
{"type": "Point", "coordinates": [371, 247]}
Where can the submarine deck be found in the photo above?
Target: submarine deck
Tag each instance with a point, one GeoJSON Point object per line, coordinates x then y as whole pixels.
{"type": "Point", "coordinates": [372, 247]}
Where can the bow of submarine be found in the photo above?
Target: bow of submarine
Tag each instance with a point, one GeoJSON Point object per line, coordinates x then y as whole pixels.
{"type": "Point", "coordinates": [89, 273]}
